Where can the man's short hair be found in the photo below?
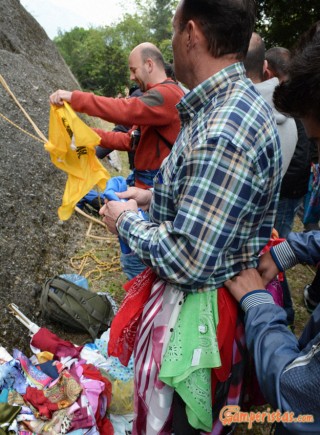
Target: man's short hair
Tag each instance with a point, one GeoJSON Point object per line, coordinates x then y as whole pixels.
{"type": "Point", "coordinates": [226, 24]}
{"type": "Point", "coordinates": [254, 60]}
{"type": "Point", "coordinates": [278, 61]}
{"type": "Point", "coordinates": [300, 95]}
{"type": "Point", "coordinates": [153, 53]}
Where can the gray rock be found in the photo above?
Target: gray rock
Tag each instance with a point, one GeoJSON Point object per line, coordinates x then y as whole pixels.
{"type": "Point", "coordinates": [33, 243]}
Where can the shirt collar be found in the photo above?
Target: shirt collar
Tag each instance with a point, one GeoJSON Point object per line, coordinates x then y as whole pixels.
{"type": "Point", "coordinates": [152, 85]}
{"type": "Point", "coordinates": [198, 97]}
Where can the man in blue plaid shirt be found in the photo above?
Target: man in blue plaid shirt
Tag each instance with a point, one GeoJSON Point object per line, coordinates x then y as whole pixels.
{"type": "Point", "coordinates": [212, 208]}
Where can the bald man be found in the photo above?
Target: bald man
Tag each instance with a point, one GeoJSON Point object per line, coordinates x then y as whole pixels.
{"type": "Point", "coordinates": [153, 114]}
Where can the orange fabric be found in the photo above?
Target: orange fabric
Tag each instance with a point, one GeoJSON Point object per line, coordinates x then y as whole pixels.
{"type": "Point", "coordinates": [154, 112]}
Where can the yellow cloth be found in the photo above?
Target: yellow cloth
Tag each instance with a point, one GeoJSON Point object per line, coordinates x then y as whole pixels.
{"type": "Point", "coordinates": [72, 148]}
{"type": "Point", "coordinates": [44, 356]}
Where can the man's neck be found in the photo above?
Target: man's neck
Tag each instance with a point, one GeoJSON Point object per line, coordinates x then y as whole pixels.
{"type": "Point", "coordinates": [211, 66]}
{"type": "Point", "coordinates": [159, 78]}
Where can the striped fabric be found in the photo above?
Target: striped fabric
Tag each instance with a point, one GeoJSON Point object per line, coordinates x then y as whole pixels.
{"type": "Point", "coordinates": [254, 298]}
{"type": "Point", "coordinates": [153, 398]}
{"type": "Point", "coordinates": [284, 256]}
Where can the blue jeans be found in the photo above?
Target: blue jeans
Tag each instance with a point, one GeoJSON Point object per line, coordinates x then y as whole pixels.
{"type": "Point", "coordinates": [131, 264]}
{"type": "Point", "coordinates": [287, 209]}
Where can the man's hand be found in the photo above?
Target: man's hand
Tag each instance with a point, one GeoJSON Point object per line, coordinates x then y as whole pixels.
{"type": "Point", "coordinates": [247, 281]}
{"type": "Point", "coordinates": [267, 268]}
{"type": "Point", "coordinates": [58, 97]}
{"type": "Point", "coordinates": [112, 209]}
{"type": "Point", "coordinates": [141, 196]}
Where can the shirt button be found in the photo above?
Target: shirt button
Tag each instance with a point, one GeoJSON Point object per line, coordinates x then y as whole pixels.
{"type": "Point", "coordinates": [203, 329]}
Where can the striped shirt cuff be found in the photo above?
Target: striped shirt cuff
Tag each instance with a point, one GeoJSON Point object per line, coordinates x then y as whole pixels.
{"type": "Point", "coordinates": [283, 256]}
{"type": "Point", "coordinates": [254, 298]}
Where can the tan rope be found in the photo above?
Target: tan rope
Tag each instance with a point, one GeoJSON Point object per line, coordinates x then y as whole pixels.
{"type": "Point", "coordinates": [80, 261]}
{"type": "Point", "coordinates": [19, 128]}
{"type": "Point", "coordinates": [35, 127]}
{"type": "Point", "coordinates": [77, 209]}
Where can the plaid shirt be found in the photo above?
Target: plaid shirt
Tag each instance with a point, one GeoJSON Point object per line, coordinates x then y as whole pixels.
{"type": "Point", "coordinates": [216, 194]}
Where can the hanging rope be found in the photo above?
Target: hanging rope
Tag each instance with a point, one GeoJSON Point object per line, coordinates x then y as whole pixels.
{"type": "Point", "coordinates": [101, 266]}
{"type": "Point", "coordinates": [19, 128]}
{"type": "Point", "coordinates": [35, 127]}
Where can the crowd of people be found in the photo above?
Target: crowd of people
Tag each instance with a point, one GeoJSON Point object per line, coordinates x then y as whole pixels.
{"type": "Point", "coordinates": [217, 168]}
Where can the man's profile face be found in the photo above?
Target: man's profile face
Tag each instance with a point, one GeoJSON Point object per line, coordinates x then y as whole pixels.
{"type": "Point", "coordinates": [138, 70]}
{"type": "Point", "coordinates": [177, 45]}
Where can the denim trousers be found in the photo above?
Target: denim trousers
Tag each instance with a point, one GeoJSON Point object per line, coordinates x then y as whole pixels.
{"type": "Point", "coordinates": [131, 264]}
{"type": "Point", "coordinates": [287, 209]}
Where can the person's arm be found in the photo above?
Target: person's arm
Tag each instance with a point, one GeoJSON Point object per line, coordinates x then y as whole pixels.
{"type": "Point", "coordinates": [112, 210]}
{"type": "Point", "coordinates": [301, 248]}
{"type": "Point", "coordinates": [152, 108]}
{"type": "Point", "coordinates": [268, 338]}
{"type": "Point", "coordinates": [114, 140]}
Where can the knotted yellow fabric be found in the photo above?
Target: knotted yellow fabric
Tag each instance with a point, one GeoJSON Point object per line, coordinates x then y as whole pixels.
{"type": "Point", "coordinates": [71, 146]}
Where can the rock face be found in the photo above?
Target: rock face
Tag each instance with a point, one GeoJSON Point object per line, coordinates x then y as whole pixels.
{"type": "Point", "coordinates": [34, 244]}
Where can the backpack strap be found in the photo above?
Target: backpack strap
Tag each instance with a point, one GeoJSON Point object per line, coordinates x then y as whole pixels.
{"type": "Point", "coordinates": [169, 144]}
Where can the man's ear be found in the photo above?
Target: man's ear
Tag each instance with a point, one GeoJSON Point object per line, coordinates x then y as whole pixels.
{"type": "Point", "coordinates": [267, 72]}
{"type": "Point", "coordinates": [149, 64]}
{"type": "Point", "coordinates": [192, 34]}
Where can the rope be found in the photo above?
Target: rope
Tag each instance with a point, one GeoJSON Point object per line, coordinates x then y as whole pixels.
{"type": "Point", "coordinates": [79, 262]}
{"type": "Point", "coordinates": [19, 128]}
{"type": "Point", "coordinates": [35, 127]}
{"type": "Point", "coordinates": [77, 209]}
{"type": "Point", "coordinates": [111, 266]}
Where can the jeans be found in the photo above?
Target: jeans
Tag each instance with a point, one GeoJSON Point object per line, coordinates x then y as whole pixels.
{"type": "Point", "coordinates": [131, 264]}
{"type": "Point", "coordinates": [287, 209]}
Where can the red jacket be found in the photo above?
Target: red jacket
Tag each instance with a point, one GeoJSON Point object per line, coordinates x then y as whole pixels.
{"type": "Point", "coordinates": [154, 112]}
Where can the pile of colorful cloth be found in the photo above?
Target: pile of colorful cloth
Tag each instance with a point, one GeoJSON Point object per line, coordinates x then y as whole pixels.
{"type": "Point", "coordinates": [65, 389]}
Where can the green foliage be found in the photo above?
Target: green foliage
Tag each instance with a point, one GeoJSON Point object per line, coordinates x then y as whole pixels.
{"type": "Point", "coordinates": [96, 59]}
{"type": "Point", "coordinates": [99, 57]}
{"type": "Point", "coordinates": [130, 32]}
{"type": "Point", "coordinates": [281, 22]}
{"type": "Point", "coordinates": [159, 19]}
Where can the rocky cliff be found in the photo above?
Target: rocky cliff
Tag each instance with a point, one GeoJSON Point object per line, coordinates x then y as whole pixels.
{"type": "Point", "coordinates": [34, 244]}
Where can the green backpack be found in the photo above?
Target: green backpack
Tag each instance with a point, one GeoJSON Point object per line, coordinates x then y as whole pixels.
{"type": "Point", "coordinates": [74, 306]}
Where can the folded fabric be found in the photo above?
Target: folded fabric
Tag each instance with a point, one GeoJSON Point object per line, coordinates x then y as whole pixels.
{"type": "Point", "coordinates": [35, 376]}
{"type": "Point", "coordinates": [191, 355]}
{"type": "Point", "coordinates": [124, 325]}
{"type": "Point", "coordinates": [12, 377]}
{"type": "Point", "coordinates": [49, 368]}
{"type": "Point", "coordinates": [62, 394]}
{"type": "Point", "coordinates": [46, 340]}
